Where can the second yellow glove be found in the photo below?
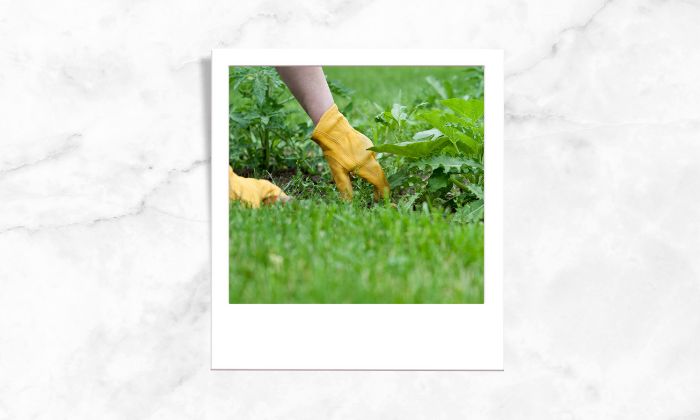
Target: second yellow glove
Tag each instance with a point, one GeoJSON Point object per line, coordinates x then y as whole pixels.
{"type": "Point", "coordinates": [251, 191]}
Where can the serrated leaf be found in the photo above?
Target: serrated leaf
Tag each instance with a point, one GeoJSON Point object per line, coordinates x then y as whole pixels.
{"type": "Point", "coordinates": [241, 120]}
{"type": "Point", "coordinates": [414, 149]}
{"type": "Point", "coordinates": [259, 87]}
{"type": "Point", "coordinates": [472, 109]}
{"type": "Point", "coordinates": [472, 212]}
{"type": "Point", "coordinates": [477, 190]}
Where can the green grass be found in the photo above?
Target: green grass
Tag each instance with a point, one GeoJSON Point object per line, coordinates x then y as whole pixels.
{"type": "Point", "coordinates": [316, 251]}
{"type": "Point", "coordinates": [387, 85]}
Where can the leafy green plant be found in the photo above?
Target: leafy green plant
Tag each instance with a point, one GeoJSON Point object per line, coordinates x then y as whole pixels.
{"type": "Point", "coordinates": [259, 123]}
{"type": "Point", "coordinates": [429, 144]}
{"type": "Point", "coordinates": [453, 152]}
{"type": "Point", "coordinates": [395, 118]}
{"type": "Point", "coordinates": [262, 131]}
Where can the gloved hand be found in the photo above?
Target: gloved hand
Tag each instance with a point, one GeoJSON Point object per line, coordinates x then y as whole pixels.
{"type": "Point", "coordinates": [253, 191]}
{"type": "Point", "coordinates": [346, 152]}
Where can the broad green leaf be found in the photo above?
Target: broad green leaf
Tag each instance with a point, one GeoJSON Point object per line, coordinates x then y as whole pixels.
{"type": "Point", "coordinates": [464, 148]}
{"type": "Point", "coordinates": [458, 137]}
{"type": "Point", "coordinates": [446, 124]}
{"type": "Point", "coordinates": [397, 179]}
{"type": "Point", "coordinates": [438, 180]}
{"type": "Point", "coordinates": [472, 109]}
{"type": "Point", "coordinates": [414, 149]}
{"type": "Point", "coordinates": [457, 121]}
{"type": "Point", "coordinates": [433, 133]}
{"type": "Point", "coordinates": [437, 121]}
{"type": "Point", "coordinates": [451, 149]}
{"type": "Point", "coordinates": [451, 164]}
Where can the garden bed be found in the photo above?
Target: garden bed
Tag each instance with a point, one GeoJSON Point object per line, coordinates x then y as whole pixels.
{"type": "Point", "coordinates": [426, 124]}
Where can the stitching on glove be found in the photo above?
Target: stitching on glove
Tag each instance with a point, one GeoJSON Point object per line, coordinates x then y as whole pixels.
{"type": "Point", "coordinates": [339, 162]}
{"type": "Point", "coordinates": [351, 157]}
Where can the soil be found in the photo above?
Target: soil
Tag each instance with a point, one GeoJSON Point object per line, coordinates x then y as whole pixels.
{"type": "Point", "coordinates": [280, 177]}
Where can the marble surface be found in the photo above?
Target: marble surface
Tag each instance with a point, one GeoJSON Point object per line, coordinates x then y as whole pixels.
{"type": "Point", "coordinates": [105, 215]}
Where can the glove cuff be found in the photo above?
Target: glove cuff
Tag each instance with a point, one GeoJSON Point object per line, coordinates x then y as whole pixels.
{"type": "Point", "coordinates": [332, 124]}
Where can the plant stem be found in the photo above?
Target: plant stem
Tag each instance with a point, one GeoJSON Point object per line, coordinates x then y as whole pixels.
{"type": "Point", "coordinates": [459, 184]}
{"type": "Point", "coordinates": [266, 148]}
{"type": "Point", "coordinates": [397, 139]}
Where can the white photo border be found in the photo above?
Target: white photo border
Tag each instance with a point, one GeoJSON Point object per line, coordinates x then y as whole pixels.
{"type": "Point", "coordinates": [358, 336]}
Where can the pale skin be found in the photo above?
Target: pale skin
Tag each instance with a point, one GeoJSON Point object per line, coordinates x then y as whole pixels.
{"type": "Point", "coordinates": [309, 87]}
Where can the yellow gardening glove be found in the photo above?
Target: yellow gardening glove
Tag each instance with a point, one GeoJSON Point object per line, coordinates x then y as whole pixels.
{"type": "Point", "coordinates": [252, 191]}
{"type": "Point", "coordinates": [346, 152]}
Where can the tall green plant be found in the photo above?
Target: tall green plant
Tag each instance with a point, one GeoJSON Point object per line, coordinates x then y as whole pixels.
{"type": "Point", "coordinates": [453, 150]}
{"type": "Point", "coordinates": [260, 121]}
{"type": "Point", "coordinates": [261, 131]}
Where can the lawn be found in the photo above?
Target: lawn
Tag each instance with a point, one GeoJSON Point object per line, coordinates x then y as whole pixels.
{"type": "Point", "coordinates": [386, 85]}
{"type": "Point", "coordinates": [320, 252]}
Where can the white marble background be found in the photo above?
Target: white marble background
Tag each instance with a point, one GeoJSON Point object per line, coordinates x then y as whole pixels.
{"type": "Point", "coordinates": [105, 223]}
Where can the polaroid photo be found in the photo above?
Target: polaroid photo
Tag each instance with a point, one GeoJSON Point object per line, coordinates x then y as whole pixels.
{"type": "Point", "coordinates": [363, 225]}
